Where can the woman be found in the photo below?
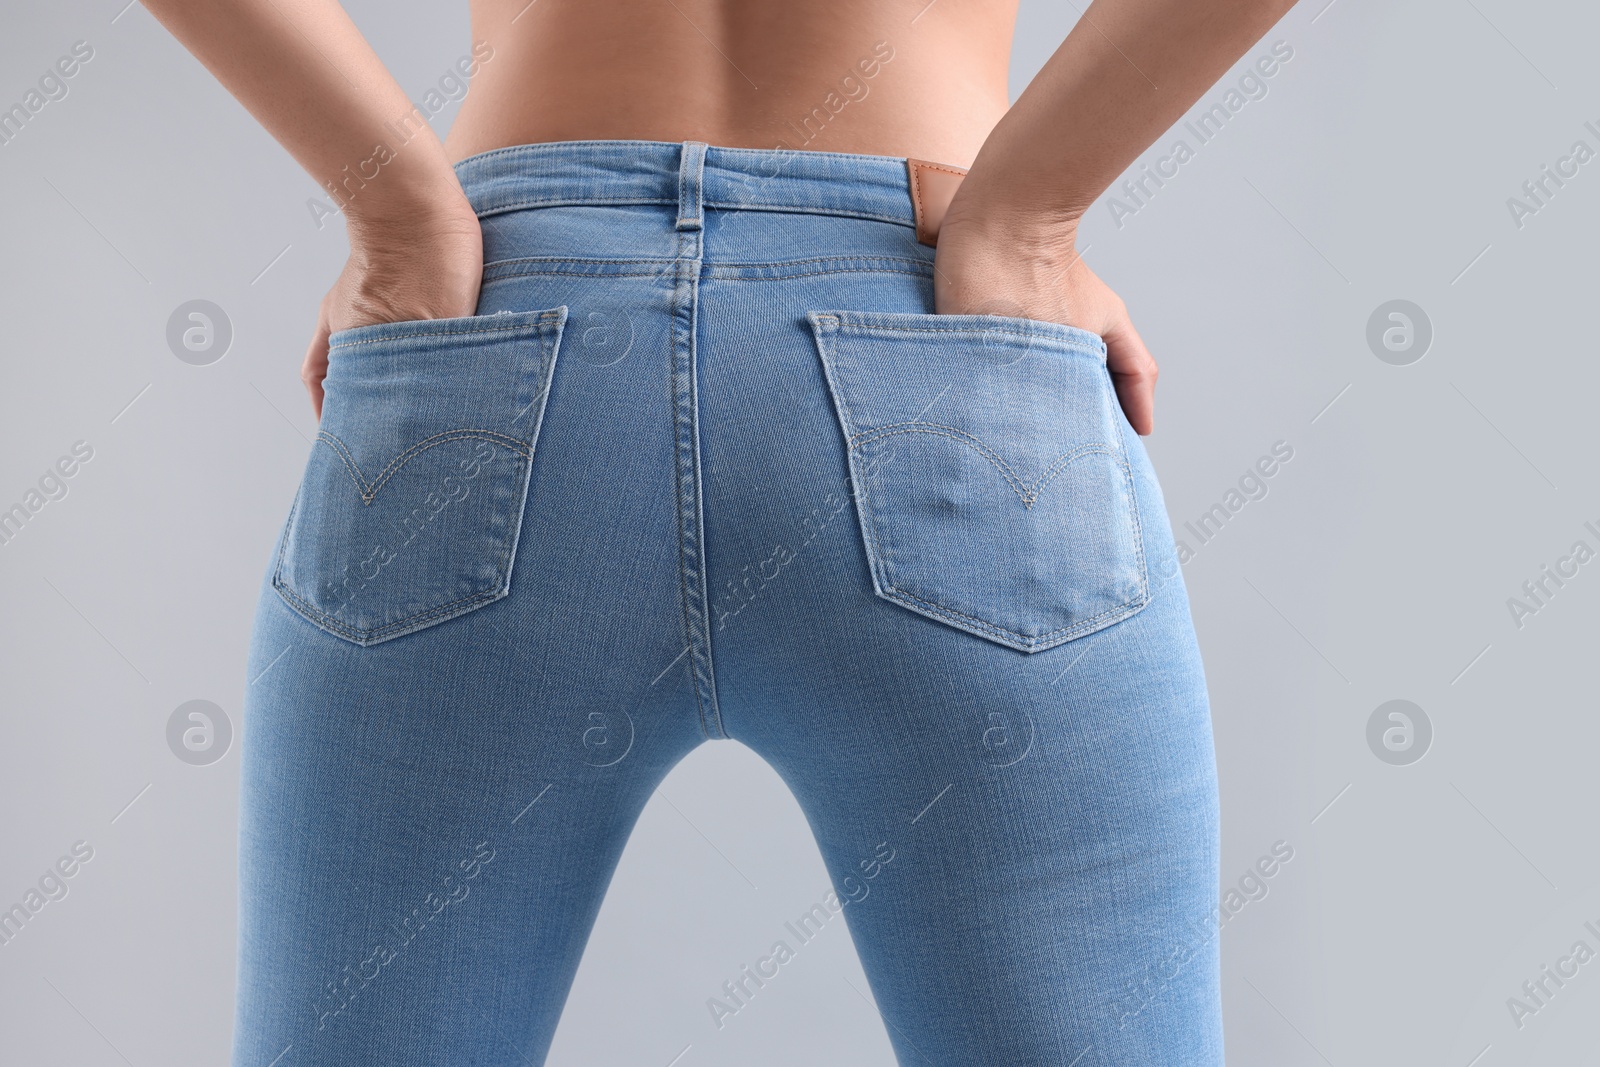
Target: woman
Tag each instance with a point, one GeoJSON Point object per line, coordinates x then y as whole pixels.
{"type": "Point", "coordinates": [728, 372]}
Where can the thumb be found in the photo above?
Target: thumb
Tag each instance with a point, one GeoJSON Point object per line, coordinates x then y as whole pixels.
{"type": "Point", "coordinates": [315, 367]}
{"type": "Point", "coordinates": [1133, 373]}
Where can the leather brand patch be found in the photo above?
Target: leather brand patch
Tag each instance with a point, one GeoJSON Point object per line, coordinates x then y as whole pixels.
{"type": "Point", "coordinates": [933, 186]}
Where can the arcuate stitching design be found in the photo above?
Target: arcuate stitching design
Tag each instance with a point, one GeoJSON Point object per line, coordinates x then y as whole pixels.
{"type": "Point", "coordinates": [370, 491]}
{"type": "Point", "coordinates": [1027, 494]}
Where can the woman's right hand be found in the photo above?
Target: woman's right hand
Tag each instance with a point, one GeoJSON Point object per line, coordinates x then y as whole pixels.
{"type": "Point", "coordinates": [989, 262]}
{"type": "Point", "coordinates": [306, 72]}
{"type": "Point", "coordinates": [422, 264]}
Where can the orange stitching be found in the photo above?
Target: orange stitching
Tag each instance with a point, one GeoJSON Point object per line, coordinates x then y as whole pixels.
{"type": "Point", "coordinates": [915, 167]}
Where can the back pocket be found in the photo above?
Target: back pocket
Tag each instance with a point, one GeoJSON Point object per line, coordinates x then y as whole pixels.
{"type": "Point", "coordinates": [411, 504]}
{"type": "Point", "coordinates": [989, 471]}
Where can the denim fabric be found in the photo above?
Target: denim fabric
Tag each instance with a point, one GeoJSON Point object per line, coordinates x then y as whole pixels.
{"type": "Point", "coordinates": [705, 465]}
{"type": "Point", "coordinates": [429, 428]}
{"type": "Point", "coordinates": [1018, 522]}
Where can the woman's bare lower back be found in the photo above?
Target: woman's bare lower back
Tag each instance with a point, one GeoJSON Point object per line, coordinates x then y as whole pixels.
{"type": "Point", "coordinates": [883, 77]}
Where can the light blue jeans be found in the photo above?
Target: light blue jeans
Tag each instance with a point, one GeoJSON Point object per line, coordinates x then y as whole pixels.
{"type": "Point", "coordinates": [706, 465]}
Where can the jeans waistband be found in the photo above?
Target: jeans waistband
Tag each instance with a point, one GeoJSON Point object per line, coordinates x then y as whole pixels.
{"type": "Point", "coordinates": [562, 173]}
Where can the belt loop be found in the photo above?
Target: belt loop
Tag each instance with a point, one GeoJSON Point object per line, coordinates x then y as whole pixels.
{"type": "Point", "coordinates": [691, 171]}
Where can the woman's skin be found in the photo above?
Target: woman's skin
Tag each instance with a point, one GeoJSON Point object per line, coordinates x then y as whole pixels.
{"type": "Point", "coordinates": [737, 73]}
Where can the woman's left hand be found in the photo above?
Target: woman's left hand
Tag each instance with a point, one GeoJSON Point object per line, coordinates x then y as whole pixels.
{"type": "Point", "coordinates": [1029, 269]}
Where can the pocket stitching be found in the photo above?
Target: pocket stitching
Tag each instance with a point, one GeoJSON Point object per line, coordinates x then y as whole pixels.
{"type": "Point", "coordinates": [894, 592]}
{"type": "Point", "coordinates": [826, 329]}
{"type": "Point", "coordinates": [540, 329]}
{"type": "Point", "coordinates": [370, 493]}
{"type": "Point", "coordinates": [538, 324]}
{"type": "Point", "coordinates": [1028, 497]}
{"type": "Point", "coordinates": [1031, 332]}
{"type": "Point", "coordinates": [1128, 606]}
{"type": "Point", "coordinates": [409, 622]}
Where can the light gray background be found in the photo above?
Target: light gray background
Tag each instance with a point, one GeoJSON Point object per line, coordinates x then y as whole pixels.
{"type": "Point", "coordinates": [1418, 500]}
